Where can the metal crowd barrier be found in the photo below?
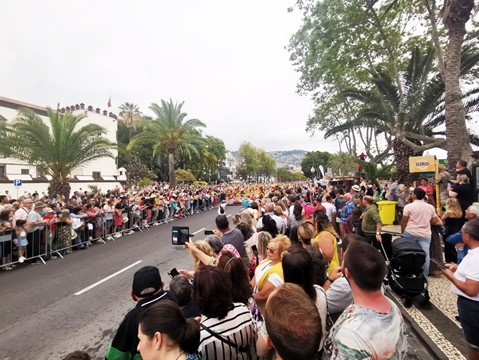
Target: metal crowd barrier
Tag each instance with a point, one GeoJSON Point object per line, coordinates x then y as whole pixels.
{"type": "Point", "coordinates": [61, 238]}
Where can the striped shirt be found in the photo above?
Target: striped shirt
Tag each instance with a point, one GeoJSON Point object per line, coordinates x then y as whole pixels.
{"type": "Point", "coordinates": [238, 327]}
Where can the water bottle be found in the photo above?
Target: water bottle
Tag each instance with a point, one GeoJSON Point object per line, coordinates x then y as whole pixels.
{"type": "Point", "coordinates": [460, 254]}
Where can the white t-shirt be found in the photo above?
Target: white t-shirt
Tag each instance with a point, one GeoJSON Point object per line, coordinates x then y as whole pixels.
{"type": "Point", "coordinates": [108, 215]}
{"type": "Point", "coordinates": [420, 214]}
{"type": "Point", "coordinates": [21, 214]}
{"type": "Point", "coordinates": [330, 209]}
{"type": "Point", "coordinates": [468, 268]}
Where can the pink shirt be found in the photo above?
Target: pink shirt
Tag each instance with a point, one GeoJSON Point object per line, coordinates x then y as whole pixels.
{"type": "Point", "coordinates": [420, 214]}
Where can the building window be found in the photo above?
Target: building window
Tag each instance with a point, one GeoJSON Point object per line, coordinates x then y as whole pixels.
{"type": "Point", "coordinates": [2, 170]}
{"type": "Point", "coordinates": [96, 175]}
{"type": "Point", "coordinates": [25, 171]}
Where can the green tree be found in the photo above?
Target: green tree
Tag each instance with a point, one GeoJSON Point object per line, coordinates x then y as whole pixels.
{"type": "Point", "coordinates": [336, 47]}
{"type": "Point", "coordinates": [170, 131]}
{"type": "Point", "coordinates": [248, 163]}
{"type": "Point", "coordinates": [412, 119]}
{"type": "Point", "coordinates": [184, 176]}
{"type": "Point", "coordinates": [207, 163]}
{"type": "Point", "coordinates": [342, 163]}
{"type": "Point", "coordinates": [137, 170]}
{"type": "Point", "coordinates": [314, 159]}
{"type": "Point", "coordinates": [267, 165]}
{"type": "Point", "coordinates": [130, 114]}
{"type": "Point", "coordinates": [60, 146]}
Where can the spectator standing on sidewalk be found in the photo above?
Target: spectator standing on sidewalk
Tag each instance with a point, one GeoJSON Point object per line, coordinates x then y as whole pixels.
{"type": "Point", "coordinates": [416, 223]}
{"type": "Point", "coordinates": [346, 226]}
{"type": "Point", "coordinates": [355, 334]}
{"type": "Point", "coordinates": [330, 208]}
{"type": "Point", "coordinates": [36, 227]}
{"type": "Point", "coordinates": [372, 227]}
{"type": "Point", "coordinates": [465, 284]}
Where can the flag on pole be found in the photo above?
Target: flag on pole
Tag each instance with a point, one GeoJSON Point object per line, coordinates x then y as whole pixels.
{"type": "Point", "coordinates": [109, 102]}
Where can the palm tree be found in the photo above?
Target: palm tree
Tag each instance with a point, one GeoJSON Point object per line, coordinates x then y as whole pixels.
{"type": "Point", "coordinates": [59, 147]}
{"type": "Point", "coordinates": [171, 131]}
{"type": "Point", "coordinates": [130, 114]}
{"type": "Point", "coordinates": [455, 16]}
{"type": "Point", "coordinates": [412, 118]}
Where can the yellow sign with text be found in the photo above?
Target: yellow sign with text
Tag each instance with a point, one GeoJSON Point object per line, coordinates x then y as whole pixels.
{"type": "Point", "coordinates": [419, 164]}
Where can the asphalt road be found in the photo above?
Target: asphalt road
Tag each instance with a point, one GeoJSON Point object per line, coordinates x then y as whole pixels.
{"type": "Point", "coordinates": [42, 318]}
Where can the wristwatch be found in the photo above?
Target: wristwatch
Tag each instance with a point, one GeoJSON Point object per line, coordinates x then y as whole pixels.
{"type": "Point", "coordinates": [378, 233]}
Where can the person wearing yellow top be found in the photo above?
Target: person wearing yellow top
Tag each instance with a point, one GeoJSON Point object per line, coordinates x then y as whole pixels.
{"type": "Point", "coordinates": [269, 272]}
{"type": "Point", "coordinates": [326, 240]}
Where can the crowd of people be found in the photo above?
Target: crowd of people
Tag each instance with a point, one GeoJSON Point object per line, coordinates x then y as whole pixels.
{"type": "Point", "coordinates": [248, 274]}
{"type": "Point", "coordinates": [35, 226]}
{"type": "Point", "coordinates": [285, 280]}
{"type": "Point", "coordinates": [295, 274]}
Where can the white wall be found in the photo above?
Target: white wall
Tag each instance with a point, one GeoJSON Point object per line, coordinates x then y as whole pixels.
{"type": "Point", "coordinates": [106, 166]}
{"type": "Point", "coordinates": [30, 187]}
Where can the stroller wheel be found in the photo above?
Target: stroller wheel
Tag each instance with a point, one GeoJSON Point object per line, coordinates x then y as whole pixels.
{"type": "Point", "coordinates": [407, 302]}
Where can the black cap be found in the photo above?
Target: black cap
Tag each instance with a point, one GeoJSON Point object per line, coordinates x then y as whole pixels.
{"type": "Point", "coordinates": [146, 281]}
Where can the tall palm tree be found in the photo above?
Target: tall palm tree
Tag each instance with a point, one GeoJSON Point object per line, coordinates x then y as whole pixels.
{"type": "Point", "coordinates": [171, 131]}
{"type": "Point", "coordinates": [413, 118]}
{"type": "Point", "coordinates": [130, 114]}
{"type": "Point", "coordinates": [455, 16]}
{"type": "Point", "coordinates": [58, 147]}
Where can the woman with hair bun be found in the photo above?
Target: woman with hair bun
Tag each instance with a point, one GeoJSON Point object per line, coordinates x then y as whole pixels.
{"type": "Point", "coordinates": [165, 334]}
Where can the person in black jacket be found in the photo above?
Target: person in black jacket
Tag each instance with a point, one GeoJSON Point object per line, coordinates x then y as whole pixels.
{"type": "Point", "coordinates": [147, 290]}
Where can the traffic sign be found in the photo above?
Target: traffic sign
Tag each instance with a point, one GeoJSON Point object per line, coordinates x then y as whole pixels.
{"type": "Point", "coordinates": [17, 182]}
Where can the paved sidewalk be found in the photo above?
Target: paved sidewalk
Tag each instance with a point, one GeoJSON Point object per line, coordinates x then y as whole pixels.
{"type": "Point", "coordinates": [438, 326]}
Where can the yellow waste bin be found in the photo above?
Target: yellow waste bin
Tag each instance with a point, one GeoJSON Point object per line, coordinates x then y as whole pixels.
{"type": "Point", "coordinates": [387, 211]}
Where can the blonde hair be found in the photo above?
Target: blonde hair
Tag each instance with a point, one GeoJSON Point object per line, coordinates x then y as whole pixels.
{"type": "Point", "coordinates": [463, 178]}
{"type": "Point", "coordinates": [64, 213]}
{"type": "Point", "coordinates": [203, 246]}
{"type": "Point", "coordinates": [306, 232]}
{"type": "Point", "coordinates": [282, 241]}
{"type": "Point", "coordinates": [279, 210]}
{"type": "Point", "coordinates": [264, 238]}
{"type": "Point", "coordinates": [243, 217]}
{"type": "Point", "coordinates": [453, 205]}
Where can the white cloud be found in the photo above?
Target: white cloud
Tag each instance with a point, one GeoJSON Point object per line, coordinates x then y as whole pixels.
{"type": "Point", "coordinates": [227, 61]}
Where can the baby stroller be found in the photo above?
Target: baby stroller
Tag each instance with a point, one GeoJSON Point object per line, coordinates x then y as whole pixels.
{"type": "Point", "coordinates": [405, 273]}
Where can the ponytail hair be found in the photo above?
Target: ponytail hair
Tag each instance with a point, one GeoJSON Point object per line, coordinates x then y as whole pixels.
{"type": "Point", "coordinates": [166, 317]}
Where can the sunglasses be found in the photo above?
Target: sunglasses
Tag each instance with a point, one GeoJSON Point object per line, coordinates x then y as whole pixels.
{"type": "Point", "coordinates": [271, 249]}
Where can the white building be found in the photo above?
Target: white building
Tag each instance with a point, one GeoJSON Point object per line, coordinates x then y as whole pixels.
{"type": "Point", "coordinates": [101, 172]}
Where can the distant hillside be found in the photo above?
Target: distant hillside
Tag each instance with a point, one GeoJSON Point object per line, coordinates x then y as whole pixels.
{"type": "Point", "coordinates": [288, 158]}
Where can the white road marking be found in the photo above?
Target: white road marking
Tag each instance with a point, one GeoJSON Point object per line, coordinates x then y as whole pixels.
{"type": "Point", "coordinates": [107, 278]}
{"type": "Point", "coordinates": [200, 230]}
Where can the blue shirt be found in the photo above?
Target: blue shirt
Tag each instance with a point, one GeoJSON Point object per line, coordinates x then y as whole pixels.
{"type": "Point", "coordinates": [347, 210]}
